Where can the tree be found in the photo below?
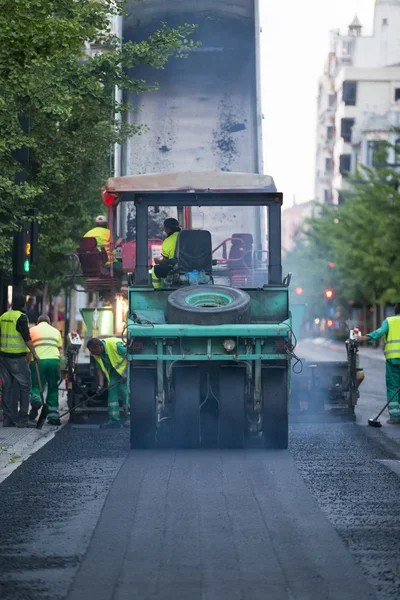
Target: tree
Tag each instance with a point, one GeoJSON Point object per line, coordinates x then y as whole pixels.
{"type": "Point", "coordinates": [359, 237]}
{"type": "Point", "coordinates": [309, 262]}
{"type": "Point", "coordinates": [46, 75]}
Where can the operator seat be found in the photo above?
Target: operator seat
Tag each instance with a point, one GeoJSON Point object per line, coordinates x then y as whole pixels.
{"type": "Point", "coordinates": [193, 252]}
{"type": "Point", "coordinates": [241, 252]}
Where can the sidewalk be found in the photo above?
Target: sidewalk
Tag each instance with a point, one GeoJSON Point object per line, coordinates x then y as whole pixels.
{"type": "Point", "coordinates": [364, 350]}
{"type": "Point", "coordinates": [17, 445]}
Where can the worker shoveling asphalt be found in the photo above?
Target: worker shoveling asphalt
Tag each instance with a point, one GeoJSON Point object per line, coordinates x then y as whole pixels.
{"type": "Point", "coordinates": [43, 414]}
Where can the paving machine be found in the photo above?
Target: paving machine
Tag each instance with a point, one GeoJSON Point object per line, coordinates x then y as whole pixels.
{"type": "Point", "coordinates": [322, 387]}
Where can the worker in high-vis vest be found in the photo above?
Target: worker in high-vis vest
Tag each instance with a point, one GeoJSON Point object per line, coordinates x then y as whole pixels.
{"type": "Point", "coordinates": [112, 365]}
{"type": "Point", "coordinates": [101, 233]}
{"type": "Point", "coordinates": [15, 343]}
{"type": "Point", "coordinates": [390, 331]}
{"type": "Point", "coordinates": [165, 263]}
{"type": "Point", "coordinates": [103, 238]}
{"type": "Point", "coordinates": [47, 343]}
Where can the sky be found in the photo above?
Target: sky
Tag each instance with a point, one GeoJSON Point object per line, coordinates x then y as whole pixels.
{"type": "Point", "coordinates": [294, 48]}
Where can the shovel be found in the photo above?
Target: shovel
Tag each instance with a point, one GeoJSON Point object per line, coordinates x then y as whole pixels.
{"type": "Point", "coordinates": [87, 398]}
{"type": "Point", "coordinates": [45, 409]}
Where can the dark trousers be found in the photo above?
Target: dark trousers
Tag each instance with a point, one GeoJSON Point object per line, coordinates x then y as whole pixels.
{"type": "Point", "coordinates": [164, 268]}
{"type": "Point", "coordinates": [15, 370]}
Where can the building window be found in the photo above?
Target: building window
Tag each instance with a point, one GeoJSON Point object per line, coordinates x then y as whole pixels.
{"type": "Point", "coordinates": [372, 148]}
{"type": "Point", "coordinates": [329, 133]}
{"type": "Point", "coordinates": [341, 198]}
{"type": "Point", "coordinates": [397, 94]}
{"type": "Point", "coordinates": [346, 49]}
{"type": "Point", "coordinates": [385, 22]}
{"type": "Point", "coordinates": [327, 195]}
{"type": "Point", "coordinates": [328, 166]}
{"type": "Point", "coordinates": [331, 100]}
{"type": "Point", "coordinates": [346, 127]}
{"type": "Point", "coordinates": [349, 93]}
{"type": "Point", "coordinates": [345, 164]}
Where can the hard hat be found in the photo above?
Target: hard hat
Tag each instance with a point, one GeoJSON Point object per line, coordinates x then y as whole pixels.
{"type": "Point", "coordinates": [101, 219]}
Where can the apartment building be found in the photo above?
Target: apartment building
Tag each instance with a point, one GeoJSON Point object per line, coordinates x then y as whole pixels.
{"type": "Point", "coordinates": [358, 100]}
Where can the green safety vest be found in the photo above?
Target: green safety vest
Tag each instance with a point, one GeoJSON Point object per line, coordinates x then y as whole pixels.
{"type": "Point", "coordinates": [392, 340]}
{"type": "Point", "coordinates": [118, 362]}
{"type": "Point", "coordinates": [11, 341]}
{"type": "Point", "coordinates": [47, 341]}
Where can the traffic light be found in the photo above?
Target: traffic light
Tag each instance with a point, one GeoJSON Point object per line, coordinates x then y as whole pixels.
{"type": "Point", "coordinates": [27, 250]}
{"type": "Point", "coordinates": [33, 212]}
{"type": "Point", "coordinates": [329, 294]}
{"type": "Point", "coordinates": [299, 291]}
{"type": "Point", "coordinates": [25, 246]}
{"type": "Point", "coordinates": [23, 250]}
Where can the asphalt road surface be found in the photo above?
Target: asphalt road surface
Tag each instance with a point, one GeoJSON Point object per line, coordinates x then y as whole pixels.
{"type": "Point", "coordinates": [86, 519]}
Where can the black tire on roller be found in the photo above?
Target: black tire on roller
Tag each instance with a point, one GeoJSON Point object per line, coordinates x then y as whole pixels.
{"type": "Point", "coordinates": [231, 420]}
{"type": "Point", "coordinates": [208, 305]}
{"type": "Point", "coordinates": [187, 407]}
{"type": "Point", "coordinates": [143, 408]}
{"type": "Point", "coordinates": [275, 407]}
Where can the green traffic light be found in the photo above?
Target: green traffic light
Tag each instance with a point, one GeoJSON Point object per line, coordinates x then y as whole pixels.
{"type": "Point", "coordinates": [27, 266]}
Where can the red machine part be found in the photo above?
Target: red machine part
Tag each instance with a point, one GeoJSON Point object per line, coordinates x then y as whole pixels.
{"type": "Point", "coordinates": [129, 253]}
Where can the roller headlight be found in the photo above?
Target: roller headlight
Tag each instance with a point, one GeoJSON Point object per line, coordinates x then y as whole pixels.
{"type": "Point", "coordinates": [229, 345]}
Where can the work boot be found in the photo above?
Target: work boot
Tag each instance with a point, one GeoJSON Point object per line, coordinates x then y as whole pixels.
{"type": "Point", "coordinates": [34, 411]}
{"type": "Point", "coordinates": [25, 423]}
{"type": "Point", "coordinates": [126, 417]}
{"type": "Point", "coordinates": [55, 422]}
{"type": "Point", "coordinates": [393, 421]}
{"type": "Point", "coordinates": [111, 425]}
{"type": "Point", "coordinates": [7, 422]}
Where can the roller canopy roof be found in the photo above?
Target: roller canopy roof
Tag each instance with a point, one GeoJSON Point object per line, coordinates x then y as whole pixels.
{"type": "Point", "coordinates": [191, 182]}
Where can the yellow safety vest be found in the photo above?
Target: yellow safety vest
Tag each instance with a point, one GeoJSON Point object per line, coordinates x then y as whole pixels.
{"type": "Point", "coordinates": [102, 235]}
{"type": "Point", "coordinates": [118, 362]}
{"type": "Point", "coordinates": [392, 340]}
{"type": "Point", "coordinates": [11, 341]}
{"type": "Point", "coordinates": [168, 251]}
{"type": "Point", "coordinates": [169, 245]}
{"type": "Point", "coordinates": [47, 341]}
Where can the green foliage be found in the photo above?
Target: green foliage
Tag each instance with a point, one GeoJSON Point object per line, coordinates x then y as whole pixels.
{"type": "Point", "coordinates": [360, 237]}
{"type": "Point", "coordinates": [69, 97]}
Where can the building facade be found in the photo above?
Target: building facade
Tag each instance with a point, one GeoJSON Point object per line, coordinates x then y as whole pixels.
{"type": "Point", "coordinates": [294, 222]}
{"type": "Point", "coordinates": [358, 100]}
